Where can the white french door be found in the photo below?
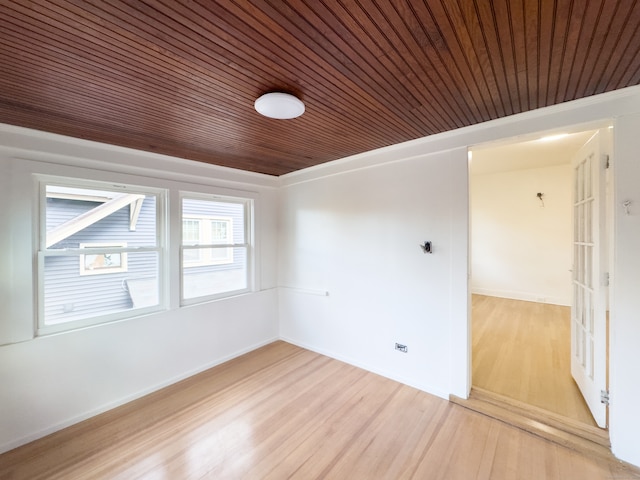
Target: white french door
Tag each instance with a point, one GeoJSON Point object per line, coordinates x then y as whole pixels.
{"type": "Point", "coordinates": [588, 309]}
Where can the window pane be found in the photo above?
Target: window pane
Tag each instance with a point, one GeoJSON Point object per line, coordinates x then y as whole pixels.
{"type": "Point", "coordinates": [69, 296]}
{"type": "Point", "coordinates": [191, 236]}
{"type": "Point", "coordinates": [190, 232]}
{"type": "Point", "coordinates": [221, 231]}
{"type": "Point", "coordinates": [216, 279]}
{"type": "Point", "coordinates": [98, 275]}
{"type": "Point", "coordinates": [209, 271]}
{"type": "Point", "coordinates": [78, 215]}
{"type": "Point", "coordinates": [97, 261]}
{"type": "Point", "coordinates": [221, 216]}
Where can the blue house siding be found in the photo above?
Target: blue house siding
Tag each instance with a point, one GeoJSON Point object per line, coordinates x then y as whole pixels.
{"type": "Point", "coordinates": [205, 280]}
{"type": "Point", "coordinates": [68, 295]}
{"type": "Point", "coordinates": [114, 228]}
{"type": "Point", "coordinates": [235, 211]}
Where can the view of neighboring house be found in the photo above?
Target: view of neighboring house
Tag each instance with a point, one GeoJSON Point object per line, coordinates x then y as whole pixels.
{"type": "Point", "coordinates": [208, 271]}
{"type": "Point", "coordinates": [104, 251]}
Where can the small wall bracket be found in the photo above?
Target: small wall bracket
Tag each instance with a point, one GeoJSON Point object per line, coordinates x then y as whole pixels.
{"type": "Point", "coordinates": [426, 247]}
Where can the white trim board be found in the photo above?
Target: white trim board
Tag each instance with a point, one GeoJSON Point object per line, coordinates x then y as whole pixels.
{"type": "Point", "coordinates": [524, 296]}
{"type": "Point", "coordinates": [38, 145]}
{"type": "Point", "coordinates": [583, 114]}
{"type": "Point", "coordinates": [122, 401]}
{"type": "Point", "coordinates": [425, 388]}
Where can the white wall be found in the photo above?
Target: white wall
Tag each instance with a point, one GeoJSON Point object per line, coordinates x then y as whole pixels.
{"type": "Point", "coordinates": [357, 236]}
{"type": "Point", "coordinates": [52, 381]}
{"type": "Point", "coordinates": [352, 227]}
{"type": "Point", "coordinates": [521, 249]}
{"type": "Point", "coordinates": [624, 375]}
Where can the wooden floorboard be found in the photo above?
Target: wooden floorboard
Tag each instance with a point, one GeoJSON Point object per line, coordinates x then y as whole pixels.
{"type": "Point", "coordinates": [596, 435]}
{"type": "Point", "coordinates": [562, 433]}
{"type": "Point", "coordinates": [522, 350]}
{"type": "Point", "coordinates": [283, 412]}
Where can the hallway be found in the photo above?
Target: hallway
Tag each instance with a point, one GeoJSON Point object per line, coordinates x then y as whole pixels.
{"type": "Point", "coordinates": [522, 350]}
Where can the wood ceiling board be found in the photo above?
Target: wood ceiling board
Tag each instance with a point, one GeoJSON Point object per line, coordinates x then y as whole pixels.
{"type": "Point", "coordinates": [180, 77]}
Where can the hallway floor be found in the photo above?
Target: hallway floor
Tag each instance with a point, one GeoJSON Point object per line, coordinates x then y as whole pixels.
{"type": "Point", "coordinates": [522, 350]}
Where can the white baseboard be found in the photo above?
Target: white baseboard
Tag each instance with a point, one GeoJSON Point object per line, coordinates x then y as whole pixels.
{"type": "Point", "coordinates": [526, 296]}
{"type": "Point", "coordinates": [425, 388]}
{"type": "Point", "coordinates": [92, 413]}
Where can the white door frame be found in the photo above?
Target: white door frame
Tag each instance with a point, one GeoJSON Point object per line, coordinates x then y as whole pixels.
{"type": "Point", "coordinates": [458, 388]}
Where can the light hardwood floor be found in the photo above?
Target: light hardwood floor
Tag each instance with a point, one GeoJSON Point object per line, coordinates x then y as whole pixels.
{"type": "Point", "coordinates": [283, 412]}
{"type": "Point", "coordinates": [522, 350]}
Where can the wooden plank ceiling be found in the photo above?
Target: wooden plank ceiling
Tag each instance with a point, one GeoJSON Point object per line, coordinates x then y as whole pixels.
{"type": "Point", "coordinates": [180, 77]}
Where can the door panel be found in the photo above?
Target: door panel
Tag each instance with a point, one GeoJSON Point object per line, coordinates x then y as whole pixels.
{"type": "Point", "coordinates": [588, 309]}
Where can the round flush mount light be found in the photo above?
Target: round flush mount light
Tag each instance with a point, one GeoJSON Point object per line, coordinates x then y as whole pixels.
{"type": "Point", "coordinates": [282, 106]}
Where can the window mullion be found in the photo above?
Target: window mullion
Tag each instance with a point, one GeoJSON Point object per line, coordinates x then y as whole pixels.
{"type": "Point", "coordinates": [215, 245]}
{"type": "Point", "coordinates": [52, 252]}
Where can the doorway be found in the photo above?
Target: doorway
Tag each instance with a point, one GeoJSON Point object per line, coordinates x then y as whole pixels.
{"type": "Point", "coordinates": [521, 263]}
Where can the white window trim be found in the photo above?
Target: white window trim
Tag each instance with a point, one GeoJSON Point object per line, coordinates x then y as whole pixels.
{"type": "Point", "coordinates": [248, 206]}
{"type": "Point", "coordinates": [26, 171]}
{"type": "Point", "coordinates": [43, 251]}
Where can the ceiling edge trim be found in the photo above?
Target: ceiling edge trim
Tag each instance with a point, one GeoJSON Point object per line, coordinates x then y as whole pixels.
{"type": "Point", "coordinates": [584, 112]}
{"type": "Point", "coordinates": [80, 151]}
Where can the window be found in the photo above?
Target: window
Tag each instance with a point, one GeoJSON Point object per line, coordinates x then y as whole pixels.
{"type": "Point", "coordinates": [99, 255]}
{"type": "Point", "coordinates": [215, 249]}
{"type": "Point", "coordinates": [101, 251]}
{"type": "Point", "coordinates": [101, 263]}
{"type": "Point", "coordinates": [207, 231]}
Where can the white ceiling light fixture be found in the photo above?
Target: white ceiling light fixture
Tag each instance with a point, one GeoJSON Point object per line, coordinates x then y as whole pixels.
{"type": "Point", "coordinates": [282, 106]}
